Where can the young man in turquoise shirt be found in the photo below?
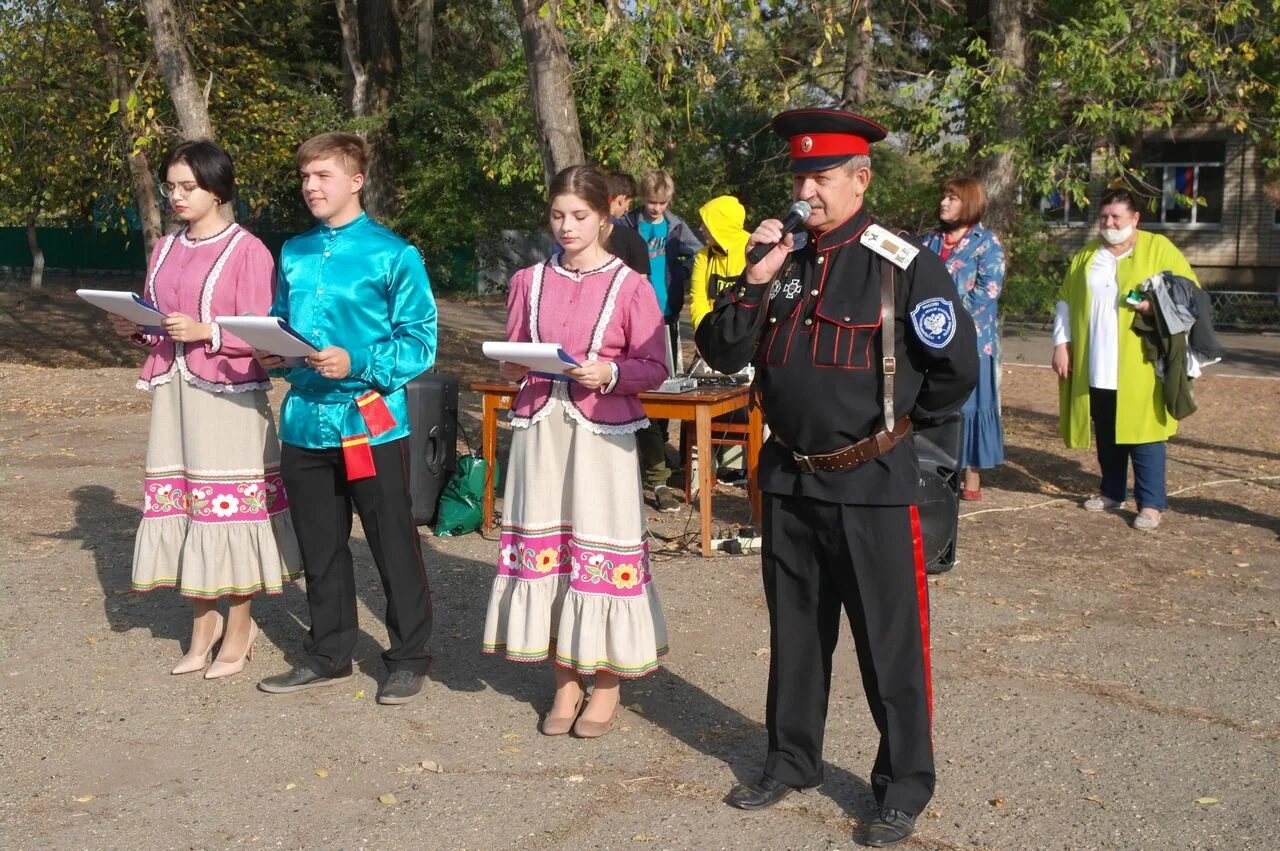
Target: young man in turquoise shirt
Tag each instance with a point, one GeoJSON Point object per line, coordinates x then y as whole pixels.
{"type": "Point", "coordinates": [359, 293]}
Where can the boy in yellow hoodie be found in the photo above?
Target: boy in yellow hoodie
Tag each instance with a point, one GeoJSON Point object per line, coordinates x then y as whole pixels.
{"type": "Point", "coordinates": [723, 258]}
{"type": "Point", "coordinates": [716, 266]}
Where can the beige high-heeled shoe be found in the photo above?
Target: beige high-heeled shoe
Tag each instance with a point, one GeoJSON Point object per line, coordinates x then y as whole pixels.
{"type": "Point", "coordinates": [558, 725]}
{"type": "Point", "coordinates": [586, 729]}
{"type": "Point", "coordinates": [221, 669]}
{"type": "Point", "coordinates": [197, 658]}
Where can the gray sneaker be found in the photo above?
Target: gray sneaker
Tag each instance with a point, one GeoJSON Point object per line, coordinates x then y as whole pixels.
{"type": "Point", "coordinates": [1146, 522]}
{"type": "Point", "coordinates": [665, 499]}
{"type": "Point", "coordinates": [1101, 503]}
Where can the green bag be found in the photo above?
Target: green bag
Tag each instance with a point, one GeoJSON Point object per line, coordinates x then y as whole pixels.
{"type": "Point", "coordinates": [461, 503]}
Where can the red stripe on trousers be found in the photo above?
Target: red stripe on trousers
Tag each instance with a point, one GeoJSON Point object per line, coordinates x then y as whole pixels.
{"type": "Point", "coordinates": [922, 598]}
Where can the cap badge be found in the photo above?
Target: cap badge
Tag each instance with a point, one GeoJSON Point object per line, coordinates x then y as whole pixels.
{"type": "Point", "coordinates": [806, 144]}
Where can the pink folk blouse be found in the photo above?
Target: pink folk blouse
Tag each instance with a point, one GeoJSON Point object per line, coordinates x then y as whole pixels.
{"type": "Point", "coordinates": [609, 314]}
{"type": "Point", "coordinates": [230, 274]}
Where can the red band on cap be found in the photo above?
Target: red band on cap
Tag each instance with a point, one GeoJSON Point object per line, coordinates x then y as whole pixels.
{"type": "Point", "coordinates": [805, 145]}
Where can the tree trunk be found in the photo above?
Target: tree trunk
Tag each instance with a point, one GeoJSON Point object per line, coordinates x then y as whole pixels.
{"type": "Point", "coordinates": [1008, 21]}
{"type": "Point", "coordinates": [37, 253]}
{"type": "Point", "coordinates": [550, 83]}
{"type": "Point", "coordinates": [119, 84]}
{"type": "Point", "coordinates": [371, 59]}
{"type": "Point", "coordinates": [857, 56]}
{"type": "Point", "coordinates": [175, 62]}
{"type": "Point", "coordinates": [425, 36]}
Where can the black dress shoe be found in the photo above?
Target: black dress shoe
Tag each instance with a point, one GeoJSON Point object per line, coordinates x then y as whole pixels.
{"type": "Point", "coordinates": [400, 687]}
{"type": "Point", "coordinates": [298, 679]}
{"type": "Point", "coordinates": [757, 796]}
{"type": "Point", "coordinates": [889, 828]}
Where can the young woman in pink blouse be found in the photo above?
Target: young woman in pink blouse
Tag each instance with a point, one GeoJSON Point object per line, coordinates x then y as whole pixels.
{"type": "Point", "coordinates": [215, 522]}
{"type": "Point", "coordinates": [573, 574]}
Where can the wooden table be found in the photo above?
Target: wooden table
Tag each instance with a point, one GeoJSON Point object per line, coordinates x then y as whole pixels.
{"type": "Point", "coordinates": [700, 405]}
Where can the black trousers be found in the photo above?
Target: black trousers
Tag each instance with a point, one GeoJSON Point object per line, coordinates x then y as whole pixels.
{"type": "Point", "coordinates": [819, 557]}
{"type": "Point", "coordinates": [320, 501]}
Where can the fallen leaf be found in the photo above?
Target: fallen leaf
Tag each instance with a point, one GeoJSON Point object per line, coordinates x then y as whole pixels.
{"type": "Point", "coordinates": [511, 750]}
{"type": "Point", "coordinates": [1206, 801]}
{"type": "Point", "coordinates": [387, 800]}
{"type": "Point", "coordinates": [1094, 799]}
{"type": "Point", "coordinates": [431, 765]}
{"type": "Point", "coordinates": [574, 778]}
{"type": "Point", "coordinates": [359, 694]}
{"type": "Point", "coordinates": [636, 708]}
{"type": "Point", "coordinates": [1194, 572]}
{"type": "Point", "coordinates": [1242, 564]}
{"type": "Point", "coordinates": [289, 786]}
{"type": "Point", "coordinates": [510, 736]}
{"type": "Point", "coordinates": [643, 837]}
{"type": "Point", "coordinates": [761, 651]}
{"type": "Point", "coordinates": [90, 640]}
{"type": "Point", "coordinates": [84, 799]}
{"type": "Point", "coordinates": [996, 802]}
{"type": "Point", "coordinates": [1088, 772]}
{"type": "Point", "coordinates": [320, 772]}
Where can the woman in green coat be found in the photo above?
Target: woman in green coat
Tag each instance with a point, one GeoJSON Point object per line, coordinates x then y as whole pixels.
{"type": "Point", "coordinates": [1102, 373]}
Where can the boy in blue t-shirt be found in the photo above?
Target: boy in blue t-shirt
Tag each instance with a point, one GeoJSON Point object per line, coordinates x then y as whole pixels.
{"type": "Point", "coordinates": [672, 245]}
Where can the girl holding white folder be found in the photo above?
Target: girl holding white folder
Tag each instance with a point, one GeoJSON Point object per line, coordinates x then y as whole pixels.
{"type": "Point", "coordinates": [573, 577]}
{"type": "Point", "coordinates": [215, 520]}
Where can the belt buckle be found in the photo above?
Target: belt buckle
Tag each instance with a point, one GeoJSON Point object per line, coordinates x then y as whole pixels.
{"type": "Point", "coordinates": [804, 462]}
{"type": "Point", "coordinates": [890, 365]}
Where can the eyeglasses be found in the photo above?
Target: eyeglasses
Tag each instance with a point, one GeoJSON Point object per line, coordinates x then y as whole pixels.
{"type": "Point", "coordinates": [169, 190]}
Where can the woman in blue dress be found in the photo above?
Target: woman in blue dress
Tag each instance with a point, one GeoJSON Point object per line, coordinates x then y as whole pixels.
{"type": "Point", "coordinates": [974, 257]}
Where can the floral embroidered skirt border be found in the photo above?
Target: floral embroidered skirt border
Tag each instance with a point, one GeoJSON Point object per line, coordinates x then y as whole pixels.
{"type": "Point", "coordinates": [215, 519]}
{"type": "Point", "coordinates": [573, 573]}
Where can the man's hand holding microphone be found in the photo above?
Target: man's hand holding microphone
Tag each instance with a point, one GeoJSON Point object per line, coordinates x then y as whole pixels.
{"type": "Point", "coordinates": [771, 242]}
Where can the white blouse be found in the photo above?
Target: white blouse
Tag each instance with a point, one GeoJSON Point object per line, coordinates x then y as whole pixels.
{"type": "Point", "coordinates": [1104, 322]}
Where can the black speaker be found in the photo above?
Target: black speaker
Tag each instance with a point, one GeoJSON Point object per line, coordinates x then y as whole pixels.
{"type": "Point", "coordinates": [433, 453]}
{"type": "Point", "coordinates": [938, 448]}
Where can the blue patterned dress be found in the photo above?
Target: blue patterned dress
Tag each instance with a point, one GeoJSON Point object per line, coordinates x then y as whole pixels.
{"type": "Point", "coordinates": [976, 265]}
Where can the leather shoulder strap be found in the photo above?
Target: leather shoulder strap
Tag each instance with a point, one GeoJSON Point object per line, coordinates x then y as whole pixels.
{"type": "Point", "coordinates": [888, 345]}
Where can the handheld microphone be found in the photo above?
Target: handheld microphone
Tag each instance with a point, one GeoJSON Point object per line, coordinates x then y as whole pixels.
{"type": "Point", "coordinates": [796, 216]}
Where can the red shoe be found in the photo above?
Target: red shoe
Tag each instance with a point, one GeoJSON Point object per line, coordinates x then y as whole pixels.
{"type": "Point", "coordinates": [965, 493]}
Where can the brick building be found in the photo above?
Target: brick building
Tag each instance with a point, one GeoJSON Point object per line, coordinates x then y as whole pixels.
{"type": "Point", "coordinates": [1232, 239]}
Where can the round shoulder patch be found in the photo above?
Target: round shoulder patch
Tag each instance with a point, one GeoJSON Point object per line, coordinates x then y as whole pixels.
{"type": "Point", "coordinates": [935, 322]}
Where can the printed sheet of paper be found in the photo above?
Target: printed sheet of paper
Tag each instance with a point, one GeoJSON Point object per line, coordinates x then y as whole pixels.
{"type": "Point", "coordinates": [547, 358]}
{"type": "Point", "coordinates": [268, 334]}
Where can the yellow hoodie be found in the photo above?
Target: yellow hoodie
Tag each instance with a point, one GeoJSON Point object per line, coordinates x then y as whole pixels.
{"type": "Point", "coordinates": [723, 258]}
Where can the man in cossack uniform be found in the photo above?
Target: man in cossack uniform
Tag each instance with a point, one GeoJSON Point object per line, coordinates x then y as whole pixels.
{"type": "Point", "coordinates": [841, 390]}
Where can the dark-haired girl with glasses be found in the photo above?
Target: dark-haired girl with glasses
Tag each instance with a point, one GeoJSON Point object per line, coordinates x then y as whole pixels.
{"type": "Point", "coordinates": [215, 520]}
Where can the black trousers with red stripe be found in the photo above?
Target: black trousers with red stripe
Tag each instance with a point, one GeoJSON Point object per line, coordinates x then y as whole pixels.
{"type": "Point", "coordinates": [820, 557]}
{"type": "Point", "coordinates": [320, 502]}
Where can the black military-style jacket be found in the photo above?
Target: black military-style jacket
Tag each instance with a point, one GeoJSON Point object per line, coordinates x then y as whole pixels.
{"type": "Point", "coordinates": [814, 337]}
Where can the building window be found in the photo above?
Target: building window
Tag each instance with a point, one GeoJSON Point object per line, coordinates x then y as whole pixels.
{"type": "Point", "coordinates": [1058, 207]}
{"type": "Point", "coordinates": [1186, 180]}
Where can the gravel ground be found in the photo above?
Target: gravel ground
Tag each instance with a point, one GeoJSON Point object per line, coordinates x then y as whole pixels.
{"type": "Point", "coordinates": [1096, 687]}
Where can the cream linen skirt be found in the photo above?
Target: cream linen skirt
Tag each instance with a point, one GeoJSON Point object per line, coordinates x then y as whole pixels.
{"type": "Point", "coordinates": [215, 520]}
{"type": "Point", "coordinates": [574, 577]}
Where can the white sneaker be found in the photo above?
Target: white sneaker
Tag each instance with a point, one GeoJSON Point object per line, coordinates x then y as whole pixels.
{"type": "Point", "coordinates": [1101, 503]}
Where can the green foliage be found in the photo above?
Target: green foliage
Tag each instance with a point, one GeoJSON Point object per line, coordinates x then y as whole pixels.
{"type": "Point", "coordinates": [687, 85]}
{"type": "Point", "coordinates": [52, 127]}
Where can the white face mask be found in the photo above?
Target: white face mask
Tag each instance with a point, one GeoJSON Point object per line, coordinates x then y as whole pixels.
{"type": "Point", "coordinates": [1115, 237]}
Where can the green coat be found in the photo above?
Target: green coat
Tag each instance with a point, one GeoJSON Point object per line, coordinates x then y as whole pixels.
{"type": "Point", "coordinates": [1140, 411]}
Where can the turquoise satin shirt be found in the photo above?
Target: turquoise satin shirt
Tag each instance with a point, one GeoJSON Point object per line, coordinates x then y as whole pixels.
{"type": "Point", "coordinates": [365, 289]}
